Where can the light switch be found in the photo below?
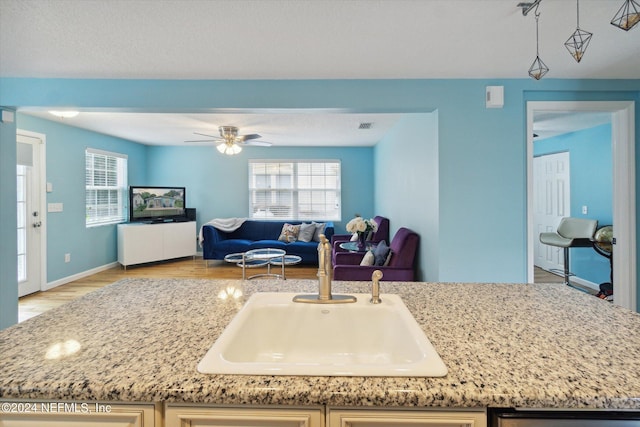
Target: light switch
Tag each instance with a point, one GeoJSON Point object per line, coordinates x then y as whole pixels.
{"type": "Point", "coordinates": [49, 187]}
{"type": "Point", "coordinates": [585, 210]}
{"type": "Point", "coordinates": [54, 207]}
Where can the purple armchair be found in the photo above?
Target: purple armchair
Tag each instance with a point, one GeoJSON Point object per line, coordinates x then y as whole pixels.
{"type": "Point", "coordinates": [381, 234]}
{"type": "Point", "coordinates": [403, 247]}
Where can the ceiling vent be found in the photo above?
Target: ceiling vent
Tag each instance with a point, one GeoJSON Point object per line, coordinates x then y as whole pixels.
{"type": "Point", "coordinates": [365, 125]}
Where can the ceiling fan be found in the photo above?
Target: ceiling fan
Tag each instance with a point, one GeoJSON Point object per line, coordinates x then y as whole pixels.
{"type": "Point", "coordinates": [230, 142]}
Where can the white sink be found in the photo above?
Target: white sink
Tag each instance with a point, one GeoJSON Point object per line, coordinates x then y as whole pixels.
{"type": "Point", "coordinates": [272, 335]}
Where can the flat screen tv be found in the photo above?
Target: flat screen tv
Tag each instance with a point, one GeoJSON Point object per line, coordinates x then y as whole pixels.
{"type": "Point", "coordinates": [157, 204]}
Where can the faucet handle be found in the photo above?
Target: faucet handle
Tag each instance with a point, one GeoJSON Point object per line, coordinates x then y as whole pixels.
{"type": "Point", "coordinates": [375, 287]}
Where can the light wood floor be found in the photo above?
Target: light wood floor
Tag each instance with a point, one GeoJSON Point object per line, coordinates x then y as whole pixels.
{"type": "Point", "coordinates": [39, 302]}
{"type": "Point", "coordinates": [543, 276]}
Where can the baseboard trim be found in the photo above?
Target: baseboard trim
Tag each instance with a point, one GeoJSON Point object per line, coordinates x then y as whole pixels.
{"type": "Point", "coordinates": [68, 279]}
{"type": "Point", "coordinates": [586, 283]}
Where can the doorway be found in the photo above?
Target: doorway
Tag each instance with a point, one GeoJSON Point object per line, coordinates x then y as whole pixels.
{"type": "Point", "coordinates": [623, 154]}
{"type": "Point", "coordinates": [31, 200]}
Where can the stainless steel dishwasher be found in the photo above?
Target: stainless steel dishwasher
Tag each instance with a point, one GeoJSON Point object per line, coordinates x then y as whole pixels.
{"type": "Point", "coordinates": [562, 418]}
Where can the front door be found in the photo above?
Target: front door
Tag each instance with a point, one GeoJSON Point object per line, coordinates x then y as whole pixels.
{"type": "Point", "coordinates": [552, 202]}
{"type": "Point", "coordinates": [30, 215]}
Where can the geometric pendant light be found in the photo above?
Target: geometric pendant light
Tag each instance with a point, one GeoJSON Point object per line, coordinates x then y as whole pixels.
{"type": "Point", "coordinates": [538, 69]}
{"type": "Point", "coordinates": [628, 16]}
{"type": "Point", "coordinates": [579, 41]}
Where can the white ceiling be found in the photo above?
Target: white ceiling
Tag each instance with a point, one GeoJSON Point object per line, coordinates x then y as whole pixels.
{"type": "Point", "coordinates": [282, 129]}
{"type": "Point", "coordinates": [298, 39]}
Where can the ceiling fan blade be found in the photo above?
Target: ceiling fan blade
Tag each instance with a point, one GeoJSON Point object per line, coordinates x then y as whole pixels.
{"type": "Point", "coordinates": [257, 143]}
{"type": "Point", "coordinates": [203, 140]}
{"type": "Point", "coordinates": [248, 137]}
{"type": "Point", "coordinates": [208, 136]}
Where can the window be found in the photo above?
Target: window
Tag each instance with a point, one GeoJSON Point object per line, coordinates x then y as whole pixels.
{"type": "Point", "coordinates": [295, 190]}
{"type": "Point", "coordinates": [106, 187]}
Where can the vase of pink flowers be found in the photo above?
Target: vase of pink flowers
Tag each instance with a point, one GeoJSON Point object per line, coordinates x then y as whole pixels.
{"type": "Point", "coordinates": [364, 228]}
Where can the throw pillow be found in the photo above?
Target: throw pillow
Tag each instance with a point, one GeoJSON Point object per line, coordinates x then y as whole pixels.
{"type": "Point", "coordinates": [289, 233]}
{"type": "Point", "coordinates": [306, 232]}
{"type": "Point", "coordinates": [380, 252]}
{"type": "Point", "coordinates": [388, 260]}
{"type": "Point", "coordinates": [319, 230]}
{"type": "Point", "coordinates": [368, 258]}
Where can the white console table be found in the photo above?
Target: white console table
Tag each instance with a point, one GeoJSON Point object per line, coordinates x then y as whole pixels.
{"type": "Point", "coordinates": [139, 243]}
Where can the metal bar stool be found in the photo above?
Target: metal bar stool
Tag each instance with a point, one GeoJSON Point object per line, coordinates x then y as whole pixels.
{"type": "Point", "coordinates": [571, 233]}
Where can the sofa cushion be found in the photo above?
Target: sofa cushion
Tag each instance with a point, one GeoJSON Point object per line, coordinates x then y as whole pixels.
{"type": "Point", "coordinates": [263, 244]}
{"type": "Point", "coordinates": [232, 246]}
{"type": "Point", "coordinates": [289, 233]}
{"type": "Point", "coordinates": [320, 226]}
{"type": "Point", "coordinates": [368, 258]}
{"type": "Point", "coordinates": [303, 249]}
{"type": "Point", "coordinates": [306, 232]}
{"type": "Point", "coordinates": [380, 253]}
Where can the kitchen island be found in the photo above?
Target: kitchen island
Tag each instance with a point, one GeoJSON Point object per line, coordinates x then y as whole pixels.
{"type": "Point", "coordinates": [505, 345]}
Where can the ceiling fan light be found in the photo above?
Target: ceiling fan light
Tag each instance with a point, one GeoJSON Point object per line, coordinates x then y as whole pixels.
{"type": "Point", "coordinates": [628, 16]}
{"type": "Point", "coordinates": [229, 148]}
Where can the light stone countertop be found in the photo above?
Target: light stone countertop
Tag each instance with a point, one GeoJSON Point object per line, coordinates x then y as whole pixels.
{"type": "Point", "coordinates": [505, 345]}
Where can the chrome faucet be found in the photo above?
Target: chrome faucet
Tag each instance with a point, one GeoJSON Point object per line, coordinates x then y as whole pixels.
{"type": "Point", "coordinates": [375, 287]}
{"type": "Point", "coordinates": [325, 273]}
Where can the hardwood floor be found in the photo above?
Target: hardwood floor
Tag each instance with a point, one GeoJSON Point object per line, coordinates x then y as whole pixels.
{"type": "Point", "coordinates": [543, 276]}
{"type": "Point", "coordinates": [39, 302]}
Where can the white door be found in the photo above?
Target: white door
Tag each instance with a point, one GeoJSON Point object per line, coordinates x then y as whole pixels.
{"type": "Point", "coordinates": [30, 215]}
{"type": "Point", "coordinates": [552, 201]}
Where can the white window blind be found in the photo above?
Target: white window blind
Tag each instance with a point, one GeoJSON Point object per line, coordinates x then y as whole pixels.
{"type": "Point", "coordinates": [295, 189]}
{"type": "Point", "coordinates": [106, 187]}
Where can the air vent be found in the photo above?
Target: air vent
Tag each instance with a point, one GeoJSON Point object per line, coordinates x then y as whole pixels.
{"type": "Point", "coordinates": [365, 125]}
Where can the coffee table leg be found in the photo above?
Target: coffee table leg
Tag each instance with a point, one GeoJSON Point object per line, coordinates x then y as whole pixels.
{"type": "Point", "coordinates": [283, 277]}
{"type": "Point", "coordinates": [244, 266]}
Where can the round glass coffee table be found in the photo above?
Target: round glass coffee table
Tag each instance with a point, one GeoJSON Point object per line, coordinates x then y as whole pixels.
{"type": "Point", "coordinates": [286, 260]}
{"type": "Point", "coordinates": [258, 258]}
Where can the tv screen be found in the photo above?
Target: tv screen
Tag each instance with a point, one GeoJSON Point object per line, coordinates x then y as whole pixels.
{"type": "Point", "coordinates": [157, 204]}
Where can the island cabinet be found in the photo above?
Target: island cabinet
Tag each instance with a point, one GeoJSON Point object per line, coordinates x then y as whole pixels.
{"type": "Point", "coordinates": [342, 417]}
{"type": "Point", "coordinates": [183, 415]}
{"type": "Point", "coordinates": [27, 413]}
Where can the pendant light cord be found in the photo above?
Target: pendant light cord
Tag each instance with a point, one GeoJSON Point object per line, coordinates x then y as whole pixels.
{"type": "Point", "coordinates": [537, 43]}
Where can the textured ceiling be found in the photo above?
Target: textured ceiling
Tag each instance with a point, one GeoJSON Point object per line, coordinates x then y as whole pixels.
{"type": "Point", "coordinates": [301, 39]}
{"type": "Point", "coordinates": [304, 39]}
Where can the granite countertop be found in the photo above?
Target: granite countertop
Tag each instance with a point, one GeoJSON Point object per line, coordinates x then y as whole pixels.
{"type": "Point", "coordinates": [505, 345]}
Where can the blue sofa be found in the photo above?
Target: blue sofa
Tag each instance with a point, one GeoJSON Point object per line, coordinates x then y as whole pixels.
{"type": "Point", "coordinates": [257, 234]}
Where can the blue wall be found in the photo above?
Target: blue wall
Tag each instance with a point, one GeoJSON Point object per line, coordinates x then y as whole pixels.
{"type": "Point", "coordinates": [412, 145]}
{"type": "Point", "coordinates": [217, 184]}
{"type": "Point", "coordinates": [66, 231]}
{"type": "Point", "coordinates": [481, 152]}
{"type": "Point", "coordinates": [591, 185]}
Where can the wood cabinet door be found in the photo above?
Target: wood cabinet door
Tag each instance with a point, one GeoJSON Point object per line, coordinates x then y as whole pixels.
{"type": "Point", "coordinates": [200, 416]}
{"type": "Point", "coordinates": [76, 414]}
{"type": "Point", "coordinates": [413, 418]}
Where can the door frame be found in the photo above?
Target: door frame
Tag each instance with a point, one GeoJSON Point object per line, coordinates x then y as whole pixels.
{"type": "Point", "coordinates": [624, 188]}
{"type": "Point", "coordinates": [42, 187]}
